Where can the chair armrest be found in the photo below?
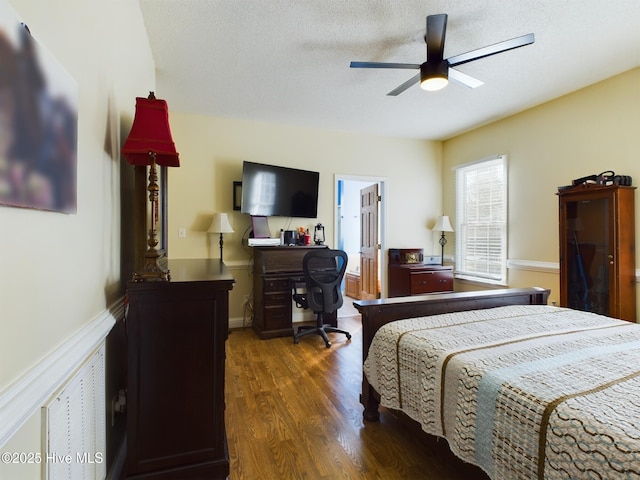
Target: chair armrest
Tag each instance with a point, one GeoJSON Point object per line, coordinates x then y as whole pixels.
{"type": "Point", "coordinates": [300, 299]}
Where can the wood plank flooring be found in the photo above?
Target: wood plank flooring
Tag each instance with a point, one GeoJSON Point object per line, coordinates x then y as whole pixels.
{"type": "Point", "coordinates": [293, 412]}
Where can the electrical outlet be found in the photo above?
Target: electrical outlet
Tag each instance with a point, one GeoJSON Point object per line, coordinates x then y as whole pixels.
{"type": "Point", "coordinates": [182, 232]}
{"type": "Point", "coordinates": [113, 410]}
{"type": "Point", "coordinates": [118, 405]}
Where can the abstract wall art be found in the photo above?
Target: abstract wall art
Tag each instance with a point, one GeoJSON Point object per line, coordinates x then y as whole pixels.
{"type": "Point", "coordinates": [38, 123]}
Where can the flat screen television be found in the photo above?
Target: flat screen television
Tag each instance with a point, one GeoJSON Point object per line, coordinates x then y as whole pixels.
{"type": "Point", "coordinates": [275, 191]}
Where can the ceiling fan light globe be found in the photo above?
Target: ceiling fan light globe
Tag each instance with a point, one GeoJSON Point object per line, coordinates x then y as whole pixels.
{"type": "Point", "coordinates": [434, 83]}
{"type": "Point", "coordinates": [434, 76]}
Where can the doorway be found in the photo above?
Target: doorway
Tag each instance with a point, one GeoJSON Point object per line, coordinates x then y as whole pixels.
{"type": "Point", "coordinates": [348, 225]}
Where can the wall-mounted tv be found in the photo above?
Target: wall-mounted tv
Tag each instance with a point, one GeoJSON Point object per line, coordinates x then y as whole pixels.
{"type": "Point", "coordinates": [279, 191]}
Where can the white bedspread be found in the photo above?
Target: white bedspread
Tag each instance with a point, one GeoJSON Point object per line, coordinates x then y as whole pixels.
{"type": "Point", "coordinates": [524, 392]}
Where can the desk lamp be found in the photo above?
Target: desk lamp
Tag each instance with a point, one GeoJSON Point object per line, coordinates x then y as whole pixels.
{"type": "Point", "coordinates": [220, 224]}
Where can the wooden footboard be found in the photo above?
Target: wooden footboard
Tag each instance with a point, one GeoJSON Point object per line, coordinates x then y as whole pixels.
{"type": "Point", "coordinates": [376, 313]}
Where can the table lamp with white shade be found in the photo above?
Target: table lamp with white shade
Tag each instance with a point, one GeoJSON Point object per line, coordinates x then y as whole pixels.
{"type": "Point", "coordinates": [220, 224]}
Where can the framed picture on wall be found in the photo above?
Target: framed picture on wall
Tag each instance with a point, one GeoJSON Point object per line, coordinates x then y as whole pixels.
{"type": "Point", "coordinates": [237, 195]}
{"type": "Point", "coordinates": [39, 116]}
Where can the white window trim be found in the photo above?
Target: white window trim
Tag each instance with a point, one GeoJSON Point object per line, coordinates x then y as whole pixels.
{"type": "Point", "coordinates": [473, 276]}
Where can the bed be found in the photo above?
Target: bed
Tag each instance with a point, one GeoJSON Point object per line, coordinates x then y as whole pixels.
{"type": "Point", "coordinates": [522, 389]}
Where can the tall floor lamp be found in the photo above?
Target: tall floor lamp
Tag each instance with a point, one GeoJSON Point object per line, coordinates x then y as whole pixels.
{"type": "Point", "coordinates": [442, 225]}
{"type": "Point", "coordinates": [220, 224]}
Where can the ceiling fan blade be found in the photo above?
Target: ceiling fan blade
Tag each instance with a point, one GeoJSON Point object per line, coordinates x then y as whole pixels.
{"type": "Point", "coordinates": [384, 65]}
{"type": "Point", "coordinates": [398, 90]}
{"type": "Point", "coordinates": [436, 31]}
{"type": "Point", "coordinates": [491, 50]}
{"type": "Point", "coordinates": [464, 79]}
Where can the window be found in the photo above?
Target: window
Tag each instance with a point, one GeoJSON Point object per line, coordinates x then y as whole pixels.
{"type": "Point", "coordinates": [481, 221]}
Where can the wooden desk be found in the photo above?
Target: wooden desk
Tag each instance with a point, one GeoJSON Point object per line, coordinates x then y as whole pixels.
{"type": "Point", "coordinates": [273, 271]}
{"type": "Point", "coordinates": [176, 333]}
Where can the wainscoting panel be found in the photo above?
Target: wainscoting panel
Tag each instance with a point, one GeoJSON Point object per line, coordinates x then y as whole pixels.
{"type": "Point", "coordinates": [74, 425]}
{"type": "Point", "coordinates": [34, 389]}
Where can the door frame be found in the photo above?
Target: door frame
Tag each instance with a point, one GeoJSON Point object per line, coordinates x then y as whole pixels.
{"type": "Point", "coordinates": [382, 224]}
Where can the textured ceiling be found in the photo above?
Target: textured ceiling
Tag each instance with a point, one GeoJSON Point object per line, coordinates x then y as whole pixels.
{"type": "Point", "coordinates": [287, 61]}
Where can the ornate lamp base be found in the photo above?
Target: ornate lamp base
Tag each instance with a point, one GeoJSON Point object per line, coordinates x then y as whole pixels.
{"type": "Point", "coordinates": [152, 271]}
{"type": "Point", "coordinates": [442, 242]}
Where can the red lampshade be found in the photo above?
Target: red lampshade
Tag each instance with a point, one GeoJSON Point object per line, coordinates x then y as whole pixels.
{"type": "Point", "coordinates": [150, 133]}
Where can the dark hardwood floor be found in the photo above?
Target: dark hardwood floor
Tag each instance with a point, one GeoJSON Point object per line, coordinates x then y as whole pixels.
{"type": "Point", "coordinates": [292, 412]}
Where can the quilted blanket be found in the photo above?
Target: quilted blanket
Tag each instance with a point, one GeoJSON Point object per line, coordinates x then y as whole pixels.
{"type": "Point", "coordinates": [524, 392]}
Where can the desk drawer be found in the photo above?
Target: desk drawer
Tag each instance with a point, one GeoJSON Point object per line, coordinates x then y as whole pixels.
{"type": "Point", "coordinates": [429, 282]}
{"type": "Point", "coordinates": [277, 298]}
{"type": "Point", "coordinates": [277, 317]}
{"type": "Point", "coordinates": [277, 285]}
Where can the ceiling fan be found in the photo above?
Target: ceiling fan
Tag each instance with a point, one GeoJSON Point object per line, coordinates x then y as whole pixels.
{"type": "Point", "coordinates": [436, 71]}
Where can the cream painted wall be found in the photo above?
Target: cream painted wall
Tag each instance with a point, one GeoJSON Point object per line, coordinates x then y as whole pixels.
{"type": "Point", "coordinates": [212, 151]}
{"type": "Point", "coordinates": [61, 271]}
{"type": "Point", "coordinates": [582, 133]}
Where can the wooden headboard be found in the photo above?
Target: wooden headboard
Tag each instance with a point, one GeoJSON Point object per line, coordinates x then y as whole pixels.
{"type": "Point", "coordinates": [376, 313]}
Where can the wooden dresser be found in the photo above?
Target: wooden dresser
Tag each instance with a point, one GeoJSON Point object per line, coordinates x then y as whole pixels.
{"type": "Point", "coordinates": [176, 333]}
{"type": "Point", "coordinates": [274, 269]}
{"type": "Point", "coordinates": [409, 276]}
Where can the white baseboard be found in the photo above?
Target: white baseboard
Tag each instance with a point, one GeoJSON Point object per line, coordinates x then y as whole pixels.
{"type": "Point", "coordinates": [239, 322]}
{"type": "Point", "coordinates": [25, 396]}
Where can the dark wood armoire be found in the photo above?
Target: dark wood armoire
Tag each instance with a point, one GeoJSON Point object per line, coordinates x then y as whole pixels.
{"type": "Point", "coordinates": [597, 249]}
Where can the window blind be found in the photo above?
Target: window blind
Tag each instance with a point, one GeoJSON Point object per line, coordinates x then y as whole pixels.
{"type": "Point", "coordinates": [481, 217]}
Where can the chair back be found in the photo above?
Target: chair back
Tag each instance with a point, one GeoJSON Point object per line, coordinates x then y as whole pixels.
{"type": "Point", "coordinates": [323, 271]}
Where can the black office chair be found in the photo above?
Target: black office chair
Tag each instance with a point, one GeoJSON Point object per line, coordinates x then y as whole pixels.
{"type": "Point", "coordinates": [323, 271]}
